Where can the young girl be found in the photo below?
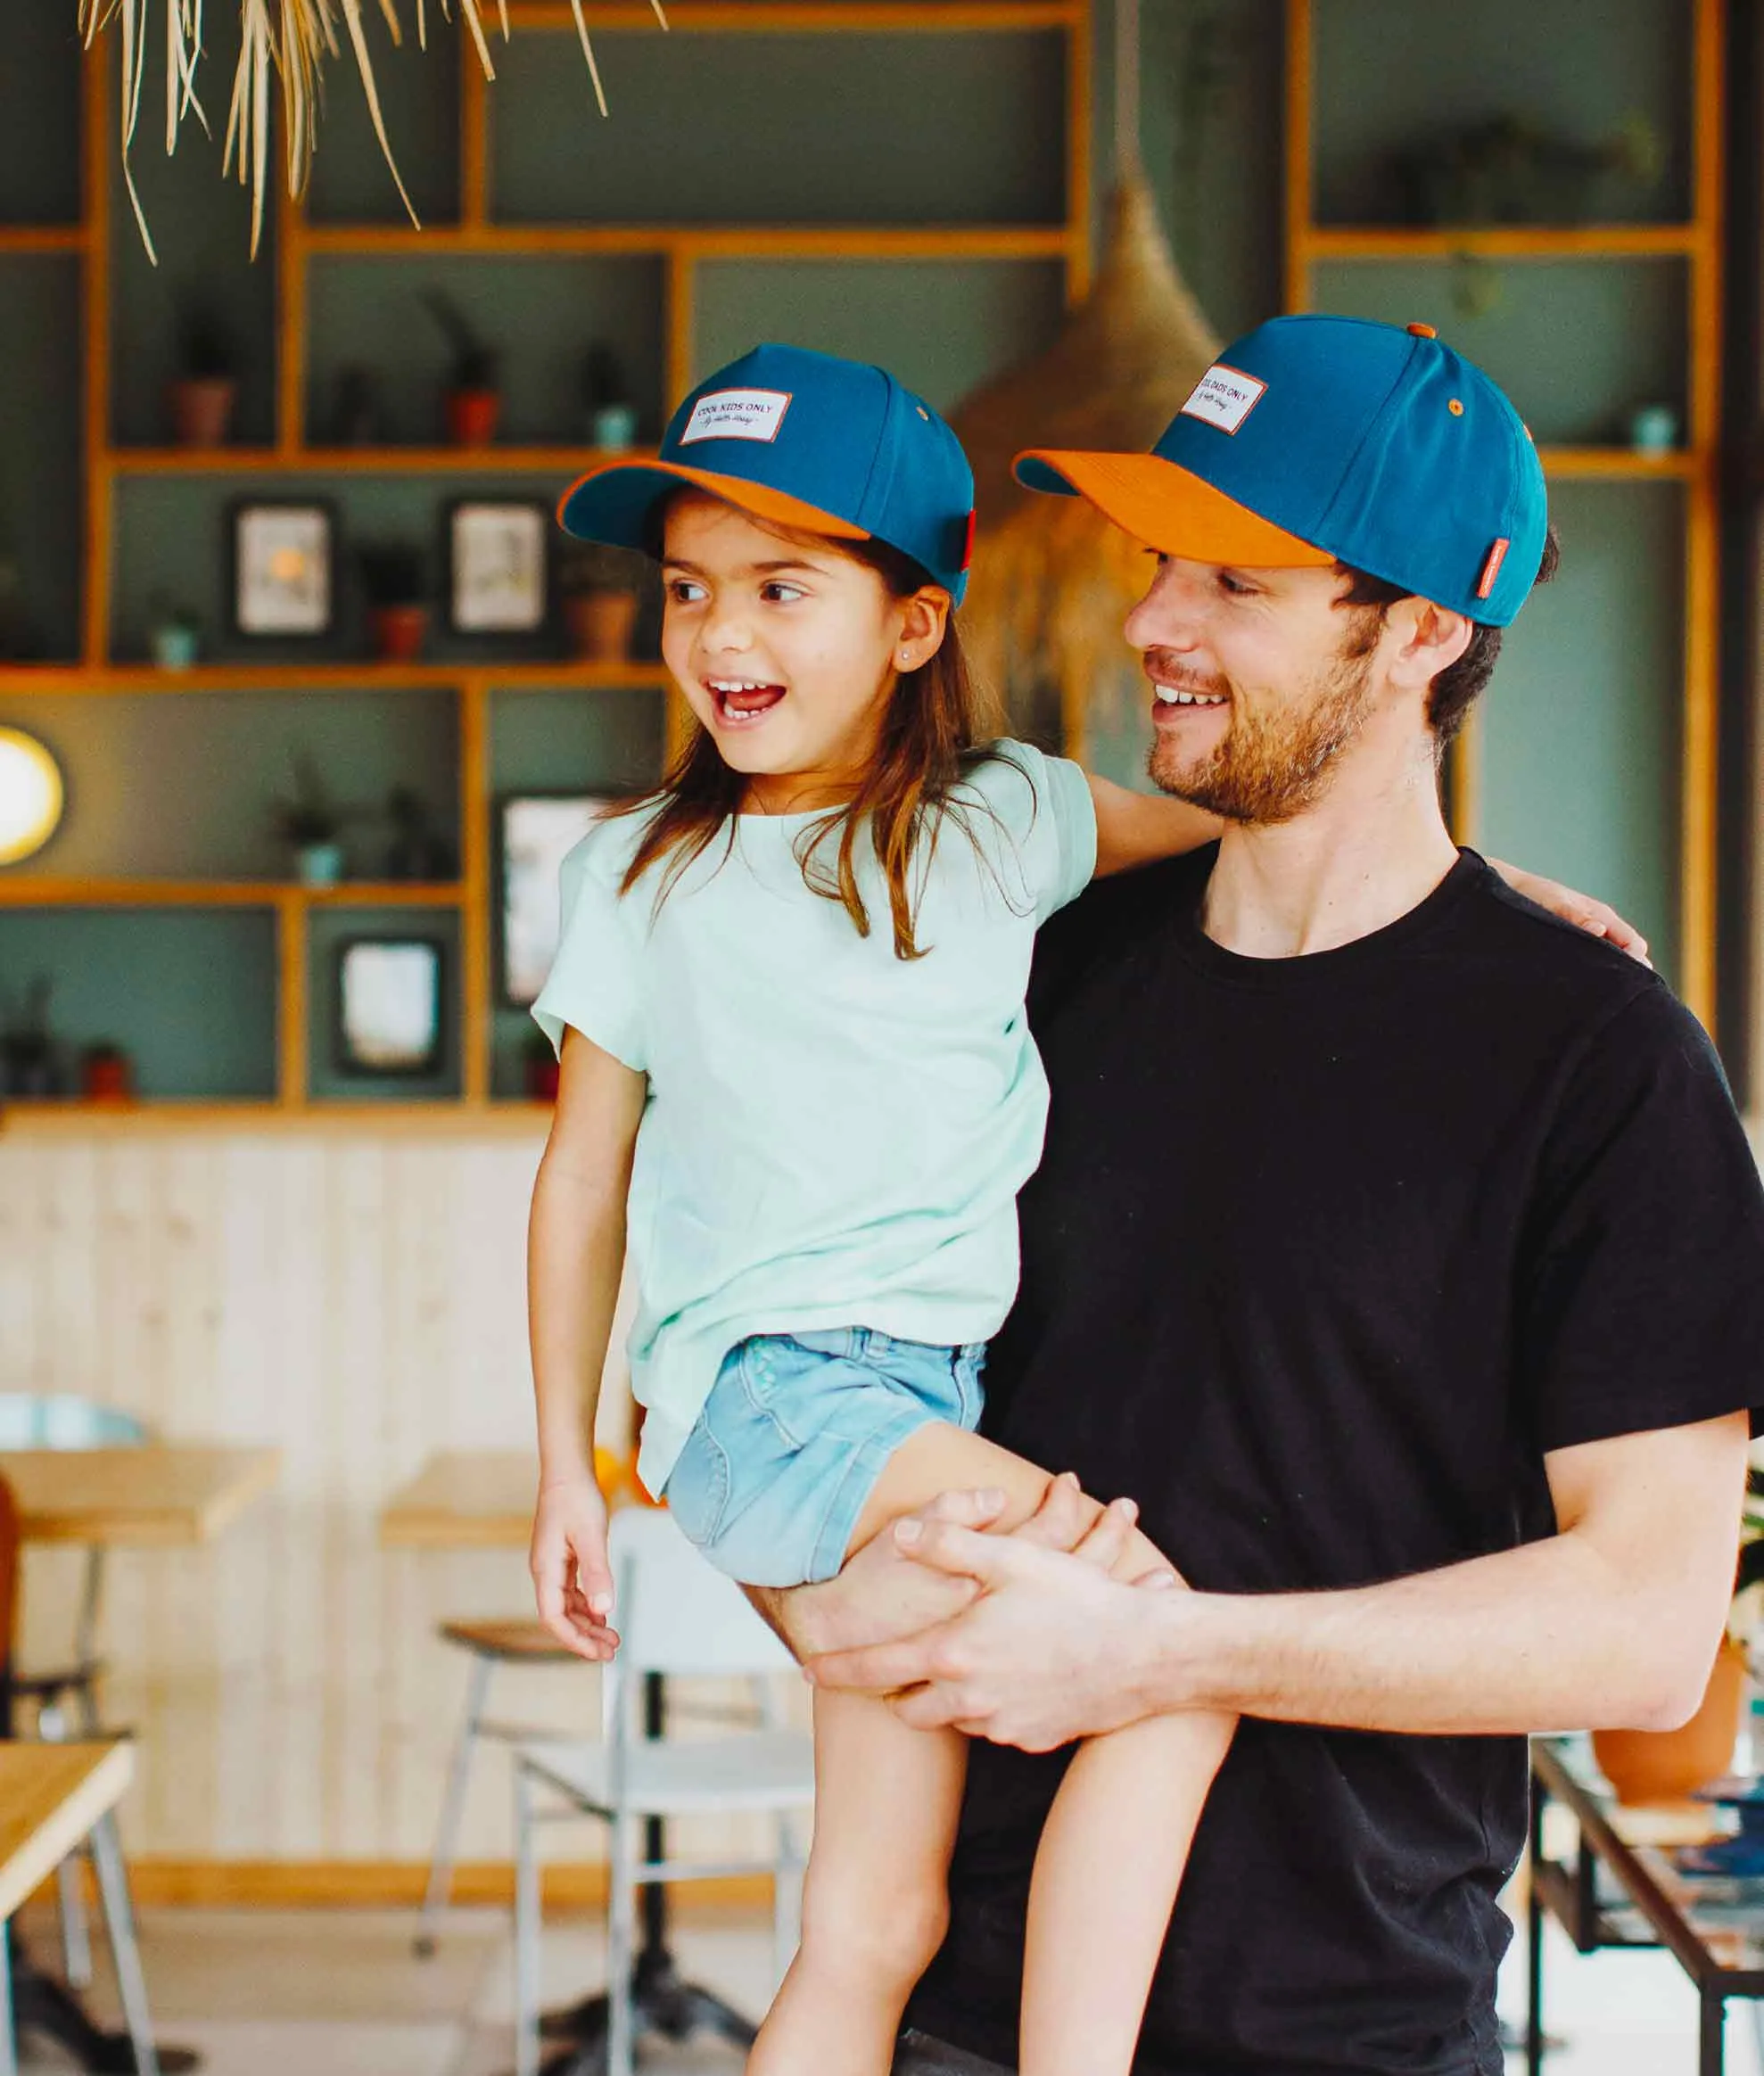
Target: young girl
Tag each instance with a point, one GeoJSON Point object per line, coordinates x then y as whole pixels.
{"type": "Point", "coordinates": [797, 1074]}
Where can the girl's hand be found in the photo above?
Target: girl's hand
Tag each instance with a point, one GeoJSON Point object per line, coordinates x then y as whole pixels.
{"type": "Point", "coordinates": [572, 1577]}
{"type": "Point", "coordinates": [1597, 918]}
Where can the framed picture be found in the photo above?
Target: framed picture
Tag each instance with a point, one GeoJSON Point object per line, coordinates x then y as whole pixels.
{"type": "Point", "coordinates": [284, 564]}
{"type": "Point", "coordinates": [499, 561]}
{"type": "Point", "coordinates": [389, 1006]}
{"type": "Point", "coordinates": [535, 832]}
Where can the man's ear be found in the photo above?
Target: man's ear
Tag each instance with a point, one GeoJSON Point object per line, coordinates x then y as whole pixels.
{"type": "Point", "coordinates": [924, 617]}
{"type": "Point", "coordinates": [1429, 638]}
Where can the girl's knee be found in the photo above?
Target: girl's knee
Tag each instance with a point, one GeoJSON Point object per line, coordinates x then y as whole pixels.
{"type": "Point", "coordinates": [881, 1931]}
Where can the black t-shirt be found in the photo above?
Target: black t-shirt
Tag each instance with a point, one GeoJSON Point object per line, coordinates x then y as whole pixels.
{"type": "Point", "coordinates": [1323, 1255]}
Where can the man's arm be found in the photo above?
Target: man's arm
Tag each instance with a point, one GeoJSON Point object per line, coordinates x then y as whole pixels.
{"type": "Point", "coordinates": [1611, 1621]}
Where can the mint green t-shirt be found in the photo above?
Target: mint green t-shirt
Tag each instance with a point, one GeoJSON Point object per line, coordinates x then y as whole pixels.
{"type": "Point", "coordinates": [833, 1136]}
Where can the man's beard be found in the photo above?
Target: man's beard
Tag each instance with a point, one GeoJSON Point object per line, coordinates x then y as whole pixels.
{"type": "Point", "coordinates": [1270, 768]}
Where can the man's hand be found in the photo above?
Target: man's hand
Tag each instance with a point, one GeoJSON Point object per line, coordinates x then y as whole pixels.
{"type": "Point", "coordinates": [1599, 918]}
{"type": "Point", "coordinates": [573, 1580]}
{"type": "Point", "coordinates": [883, 1593]}
{"type": "Point", "coordinates": [1051, 1648]}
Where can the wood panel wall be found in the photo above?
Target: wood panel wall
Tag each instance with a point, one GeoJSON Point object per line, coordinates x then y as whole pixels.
{"type": "Point", "coordinates": [356, 1301]}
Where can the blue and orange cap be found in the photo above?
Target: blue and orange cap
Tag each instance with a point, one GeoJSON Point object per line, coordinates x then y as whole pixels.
{"type": "Point", "coordinates": [806, 440]}
{"type": "Point", "coordinates": [1314, 440]}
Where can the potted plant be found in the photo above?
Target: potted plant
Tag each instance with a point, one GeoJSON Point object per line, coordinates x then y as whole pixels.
{"type": "Point", "coordinates": [310, 823]}
{"type": "Point", "coordinates": [393, 576]}
{"type": "Point", "coordinates": [1665, 1766]}
{"type": "Point", "coordinates": [200, 400]}
{"type": "Point", "coordinates": [417, 850]}
{"type": "Point", "coordinates": [174, 635]}
{"type": "Point", "coordinates": [473, 402]}
{"type": "Point", "coordinates": [600, 587]}
{"type": "Point", "coordinates": [610, 416]}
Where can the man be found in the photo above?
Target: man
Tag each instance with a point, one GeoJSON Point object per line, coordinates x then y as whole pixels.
{"type": "Point", "coordinates": [1395, 1247]}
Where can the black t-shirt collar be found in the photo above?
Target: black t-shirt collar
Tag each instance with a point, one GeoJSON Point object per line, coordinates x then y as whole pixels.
{"type": "Point", "coordinates": [1311, 968]}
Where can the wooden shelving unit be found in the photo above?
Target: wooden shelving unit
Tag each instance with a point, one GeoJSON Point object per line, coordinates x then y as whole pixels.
{"type": "Point", "coordinates": [300, 244]}
{"type": "Point", "coordinates": [1695, 244]}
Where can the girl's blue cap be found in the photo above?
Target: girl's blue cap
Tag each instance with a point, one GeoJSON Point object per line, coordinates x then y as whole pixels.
{"type": "Point", "coordinates": [806, 440]}
{"type": "Point", "coordinates": [1314, 440]}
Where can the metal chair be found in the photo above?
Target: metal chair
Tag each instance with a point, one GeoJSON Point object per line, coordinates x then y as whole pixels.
{"type": "Point", "coordinates": [30, 1420]}
{"type": "Point", "coordinates": [679, 1618]}
{"type": "Point", "coordinates": [488, 1645]}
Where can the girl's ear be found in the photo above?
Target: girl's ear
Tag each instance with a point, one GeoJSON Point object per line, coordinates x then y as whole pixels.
{"type": "Point", "coordinates": [923, 619]}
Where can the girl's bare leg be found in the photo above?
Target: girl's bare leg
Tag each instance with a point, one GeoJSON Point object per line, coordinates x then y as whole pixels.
{"type": "Point", "coordinates": [875, 1900]}
{"type": "Point", "coordinates": [1116, 1839]}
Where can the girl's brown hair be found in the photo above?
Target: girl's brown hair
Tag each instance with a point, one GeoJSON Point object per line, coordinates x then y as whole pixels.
{"type": "Point", "coordinates": [934, 730]}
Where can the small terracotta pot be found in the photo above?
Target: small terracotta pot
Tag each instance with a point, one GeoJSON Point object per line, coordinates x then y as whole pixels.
{"type": "Point", "coordinates": [1665, 1766]}
{"type": "Point", "coordinates": [601, 624]}
{"type": "Point", "coordinates": [399, 631]}
{"type": "Point", "coordinates": [202, 410]}
{"type": "Point", "coordinates": [472, 417]}
{"type": "Point", "coordinates": [106, 1076]}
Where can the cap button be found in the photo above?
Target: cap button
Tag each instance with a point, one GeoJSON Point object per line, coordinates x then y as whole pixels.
{"type": "Point", "coordinates": [1423, 332]}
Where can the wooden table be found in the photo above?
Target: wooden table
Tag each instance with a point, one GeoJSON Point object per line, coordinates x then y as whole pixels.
{"type": "Point", "coordinates": [156, 1495]}
{"type": "Point", "coordinates": [464, 1499]}
{"type": "Point", "coordinates": [52, 1796]}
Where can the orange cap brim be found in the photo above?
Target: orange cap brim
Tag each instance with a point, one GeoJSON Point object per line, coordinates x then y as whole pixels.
{"type": "Point", "coordinates": [759, 498]}
{"type": "Point", "coordinates": [1178, 513]}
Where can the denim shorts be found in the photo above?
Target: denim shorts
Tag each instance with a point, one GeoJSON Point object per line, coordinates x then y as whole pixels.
{"type": "Point", "coordinates": [781, 1461]}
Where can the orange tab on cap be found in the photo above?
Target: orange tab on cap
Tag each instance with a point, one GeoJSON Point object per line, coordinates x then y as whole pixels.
{"type": "Point", "coordinates": [1423, 332]}
{"type": "Point", "coordinates": [1491, 569]}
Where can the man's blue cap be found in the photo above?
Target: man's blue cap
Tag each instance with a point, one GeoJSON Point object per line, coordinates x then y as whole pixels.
{"type": "Point", "coordinates": [805, 440]}
{"type": "Point", "coordinates": [1314, 440]}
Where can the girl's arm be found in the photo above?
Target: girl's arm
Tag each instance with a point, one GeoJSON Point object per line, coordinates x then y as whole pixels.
{"type": "Point", "coordinates": [1138, 828]}
{"type": "Point", "coordinates": [575, 1255]}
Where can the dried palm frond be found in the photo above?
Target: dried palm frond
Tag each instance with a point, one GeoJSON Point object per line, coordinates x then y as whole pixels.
{"type": "Point", "coordinates": [1053, 580]}
{"type": "Point", "coordinates": [291, 39]}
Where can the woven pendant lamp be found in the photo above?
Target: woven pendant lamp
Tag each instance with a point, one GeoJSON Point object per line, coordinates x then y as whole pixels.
{"type": "Point", "coordinates": [284, 47]}
{"type": "Point", "coordinates": [1053, 580]}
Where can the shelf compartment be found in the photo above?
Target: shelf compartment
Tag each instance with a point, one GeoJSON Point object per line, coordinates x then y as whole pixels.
{"type": "Point", "coordinates": [40, 95]}
{"type": "Point", "coordinates": [1578, 344]}
{"type": "Point", "coordinates": [189, 994]}
{"type": "Point", "coordinates": [558, 741]}
{"type": "Point", "coordinates": [183, 790]}
{"type": "Point", "coordinates": [327, 929]}
{"type": "Point", "coordinates": [883, 127]}
{"type": "Point", "coordinates": [989, 315]}
{"type": "Point", "coordinates": [419, 97]}
{"type": "Point", "coordinates": [42, 496]}
{"type": "Point", "coordinates": [539, 314]}
{"type": "Point", "coordinates": [1380, 88]}
{"type": "Point", "coordinates": [200, 226]}
{"type": "Point", "coordinates": [172, 539]}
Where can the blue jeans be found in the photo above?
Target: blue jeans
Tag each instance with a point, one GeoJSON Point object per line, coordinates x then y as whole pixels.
{"type": "Point", "coordinates": [777, 1472]}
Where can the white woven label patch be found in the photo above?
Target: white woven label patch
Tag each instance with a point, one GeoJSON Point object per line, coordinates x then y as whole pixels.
{"type": "Point", "coordinates": [737, 414]}
{"type": "Point", "coordinates": [1224, 397]}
